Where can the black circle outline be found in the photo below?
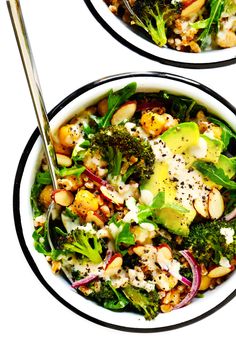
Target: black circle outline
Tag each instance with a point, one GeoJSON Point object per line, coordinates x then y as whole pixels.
{"type": "Point", "coordinates": [150, 56]}
{"type": "Point", "coordinates": [17, 185]}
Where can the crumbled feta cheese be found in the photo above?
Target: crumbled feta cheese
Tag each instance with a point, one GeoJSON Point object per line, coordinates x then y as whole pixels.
{"type": "Point", "coordinates": [131, 204]}
{"type": "Point", "coordinates": [228, 234]}
{"type": "Point", "coordinates": [146, 197]}
{"type": "Point", "coordinates": [149, 257]}
{"type": "Point", "coordinates": [210, 133]}
{"type": "Point", "coordinates": [174, 268]}
{"type": "Point", "coordinates": [136, 277]}
{"type": "Point", "coordinates": [40, 220]}
{"type": "Point", "coordinates": [135, 130]}
{"type": "Point", "coordinates": [175, 2]}
{"type": "Point", "coordinates": [127, 190]}
{"type": "Point", "coordinates": [132, 215]}
{"type": "Point", "coordinates": [189, 183]}
{"type": "Point", "coordinates": [147, 226]}
{"type": "Point", "coordinates": [224, 262]}
{"type": "Point", "coordinates": [119, 280]}
{"type": "Point", "coordinates": [160, 149]}
{"type": "Point", "coordinates": [113, 229]}
{"type": "Point", "coordinates": [200, 149]}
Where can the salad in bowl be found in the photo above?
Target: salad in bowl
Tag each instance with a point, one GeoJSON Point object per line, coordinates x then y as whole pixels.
{"type": "Point", "coordinates": [183, 33]}
{"type": "Point", "coordinates": [183, 25]}
{"type": "Point", "coordinates": [144, 220]}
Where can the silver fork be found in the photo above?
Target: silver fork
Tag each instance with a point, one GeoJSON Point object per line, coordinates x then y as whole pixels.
{"type": "Point", "coordinates": [38, 102]}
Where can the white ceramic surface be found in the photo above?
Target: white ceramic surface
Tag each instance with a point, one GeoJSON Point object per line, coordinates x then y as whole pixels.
{"type": "Point", "coordinates": [136, 42]}
{"type": "Point", "coordinates": [57, 285]}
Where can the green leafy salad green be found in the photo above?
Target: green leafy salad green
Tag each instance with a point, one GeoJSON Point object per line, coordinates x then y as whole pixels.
{"type": "Point", "coordinates": [145, 211]}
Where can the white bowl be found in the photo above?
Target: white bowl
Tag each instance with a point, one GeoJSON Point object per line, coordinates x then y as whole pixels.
{"type": "Point", "coordinates": [58, 286]}
{"type": "Point", "coordinates": [131, 39]}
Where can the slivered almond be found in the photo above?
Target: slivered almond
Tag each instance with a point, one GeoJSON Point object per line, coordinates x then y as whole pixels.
{"type": "Point", "coordinates": [219, 271]}
{"type": "Point", "coordinates": [215, 204]}
{"type": "Point", "coordinates": [63, 197]}
{"type": "Point", "coordinates": [114, 265]}
{"type": "Point", "coordinates": [124, 113]}
{"type": "Point", "coordinates": [193, 8]}
{"type": "Point", "coordinates": [201, 207]}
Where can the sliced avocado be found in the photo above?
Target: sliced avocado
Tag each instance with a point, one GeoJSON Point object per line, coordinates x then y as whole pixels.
{"type": "Point", "coordinates": [176, 221]}
{"type": "Point", "coordinates": [172, 215]}
{"type": "Point", "coordinates": [180, 137]}
{"type": "Point", "coordinates": [214, 148]}
{"type": "Point", "coordinates": [160, 181]}
{"type": "Point", "coordinates": [207, 149]}
{"type": "Point", "coordinates": [227, 164]}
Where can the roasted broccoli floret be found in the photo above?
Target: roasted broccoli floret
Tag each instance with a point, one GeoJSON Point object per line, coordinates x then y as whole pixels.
{"type": "Point", "coordinates": [108, 296]}
{"type": "Point", "coordinates": [85, 243]}
{"type": "Point", "coordinates": [208, 242]}
{"type": "Point", "coordinates": [153, 16]}
{"type": "Point", "coordinates": [121, 149]}
{"type": "Point", "coordinates": [145, 302]}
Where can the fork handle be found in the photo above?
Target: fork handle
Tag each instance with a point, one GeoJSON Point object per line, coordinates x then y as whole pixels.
{"type": "Point", "coordinates": [23, 43]}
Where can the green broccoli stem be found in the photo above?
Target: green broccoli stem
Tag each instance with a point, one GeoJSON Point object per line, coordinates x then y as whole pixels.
{"type": "Point", "coordinates": [152, 19]}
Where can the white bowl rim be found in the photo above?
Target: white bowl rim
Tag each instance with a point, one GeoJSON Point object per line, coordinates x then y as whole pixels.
{"type": "Point", "coordinates": [17, 187]}
{"type": "Point", "coordinates": [117, 29]}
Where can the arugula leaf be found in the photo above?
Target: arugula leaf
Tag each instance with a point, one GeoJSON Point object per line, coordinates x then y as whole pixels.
{"type": "Point", "coordinates": [144, 211]}
{"type": "Point", "coordinates": [40, 241]}
{"type": "Point", "coordinates": [124, 237]}
{"type": "Point", "coordinates": [215, 174]}
{"type": "Point", "coordinates": [115, 99]}
{"type": "Point", "coordinates": [227, 133]}
{"type": "Point", "coordinates": [216, 9]}
{"type": "Point", "coordinates": [181, 107]}
{"type": "Point", "coordinates": [35, 191]}
{"type": "Point", "coordinates": [70, 214]}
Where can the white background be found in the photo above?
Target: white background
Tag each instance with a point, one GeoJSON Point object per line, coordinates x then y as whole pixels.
{"type": "Point", "coordinates": [70, 49]}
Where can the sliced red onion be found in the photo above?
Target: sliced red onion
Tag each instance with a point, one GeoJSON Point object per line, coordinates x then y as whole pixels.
{"type": "Point", "coordinates": [84, 281]}
{"type": "Point", "coordinates": [196, 279]}
{"type": "Point", "coordinates": [94, 178]}
{"type": "Point", "coordinates": [185, 281]}
{"type": "Point", "coordinates": [144, 105]}
{"type": "Point", "coordinates": [231, 215]}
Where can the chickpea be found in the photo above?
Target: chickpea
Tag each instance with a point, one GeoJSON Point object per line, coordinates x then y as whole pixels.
{"type": "Point", "coordinates": [60, 149]}
{"type": "Point", "coordinates": [45, 196]}
{"type": "Point", "coordinates": [172, 297]}
{"type": "Point", "coordinates": [71, 183]}
{"type": "Point", "coordinates": [84, 202]}
{"type": "Point", "coordinates": [152, 123]}
{"type": "Point", "coordinates": [227, 40]}
{"type": "Point", "coordinates": [169, 121]}
{"type": "Point", "coordinates": [69, 134]}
